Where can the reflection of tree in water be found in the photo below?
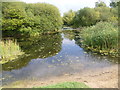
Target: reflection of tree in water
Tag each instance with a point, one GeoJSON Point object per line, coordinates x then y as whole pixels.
{"type": "Point", "coordinates": [69, 34]}
{"type": "Point", "coordinates": [73, 35]}
{"type": "Point", "coordinates": [39, 47]}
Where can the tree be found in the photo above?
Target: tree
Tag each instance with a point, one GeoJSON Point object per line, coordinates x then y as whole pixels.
{"type": "Point", "coordinates": [29, 19]}
{"type": "Point", "coordinates": [47, 17]}
{"type": "Point", "coordinates": [68, 18]}
{"type": "Point", "coordinates": [114, 3]}
{"type": "Point", "coordinates": [13, 15]}
{"type": "Point", "coordinates": [100, 4]}
{"type": "Point", "coordinates": [86, 17]}
{"type": "Point", "coordinates": [107, 14]}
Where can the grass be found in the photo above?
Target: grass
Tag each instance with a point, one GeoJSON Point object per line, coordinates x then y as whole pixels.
{"type": "Point", "coordinates": [9, 50]}
{"type": "Point", "coordinates": [66, 85]}
{"type": "Point", "coordinates": [102, 38]}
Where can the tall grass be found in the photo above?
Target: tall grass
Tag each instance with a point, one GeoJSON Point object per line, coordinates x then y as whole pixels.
{"type": "Point", "coordinates": [9, 50]}
{"type": "Point", "coordinates": [102, 38]}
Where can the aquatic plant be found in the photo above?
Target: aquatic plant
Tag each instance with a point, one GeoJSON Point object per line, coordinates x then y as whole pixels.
{"type": "Point", "coordinates": [9, 50]}
{"type": "Point", "coordinates": [102, 38]}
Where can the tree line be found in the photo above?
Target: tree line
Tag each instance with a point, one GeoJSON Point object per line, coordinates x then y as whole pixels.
{"type": "Point", "coordinates": [90, 16]}
{"type": "Point", "coordinates": [19, 18]}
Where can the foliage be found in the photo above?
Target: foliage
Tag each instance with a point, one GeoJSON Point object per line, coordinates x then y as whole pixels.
{"type": "Point", "coordinates": [100, 4]}
{"type": "Point", "coordinates": [67, 85]}
{"type": "Point", "coordinates": [107, 14]}
{"type": "Point", "coordinates": [86, 17]}
{"type": "Point", "coordinates": [113, 4]}
{"type": "Point", "coordinates": [30, 19]}
{"type": "Point", "coordinates": [68, 18]}
{"type": "Point", "coordinates": [103, 38]}
{"type": "Point", "coordinates": [90, 16]}
{"type": "Point", "coordinates": [9, 50]}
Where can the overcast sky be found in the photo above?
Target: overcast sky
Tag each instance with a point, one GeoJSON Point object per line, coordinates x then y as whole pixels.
{"type": "Point", "coordinates": [65, 5]}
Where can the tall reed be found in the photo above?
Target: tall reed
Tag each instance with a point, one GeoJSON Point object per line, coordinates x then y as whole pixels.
{"type": "Point", "coordinates": [103, 38]}
{"type": "Point", "coordinates": [9, 50]}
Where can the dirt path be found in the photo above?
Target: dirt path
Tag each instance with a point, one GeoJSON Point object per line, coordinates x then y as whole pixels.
{"type": "Point", "coordinates": [99, 78]}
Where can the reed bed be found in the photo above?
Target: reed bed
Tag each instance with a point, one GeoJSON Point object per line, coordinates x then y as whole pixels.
{"type": "Point", "coordinates": [9, 50]}
{"type": "Point", "coordinates": [102, 38]}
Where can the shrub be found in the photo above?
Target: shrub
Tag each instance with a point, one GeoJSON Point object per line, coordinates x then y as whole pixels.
{"type": "Point", "coordinates": [32, 19]}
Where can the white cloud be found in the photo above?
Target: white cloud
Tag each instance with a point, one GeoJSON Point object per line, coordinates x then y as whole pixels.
{"type": "Point", "coordinates": [65, 5]}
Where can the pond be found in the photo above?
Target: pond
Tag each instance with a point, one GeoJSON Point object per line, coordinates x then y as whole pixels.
{"type": "Point", "coordinates": [52, 55]}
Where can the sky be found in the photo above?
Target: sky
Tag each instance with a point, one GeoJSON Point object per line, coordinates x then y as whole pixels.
{"type": "Point", "coordinates": [66, 5]}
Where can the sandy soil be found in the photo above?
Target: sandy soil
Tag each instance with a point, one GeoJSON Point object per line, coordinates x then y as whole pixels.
{"type": "Point", "coordinates": [99, 78]}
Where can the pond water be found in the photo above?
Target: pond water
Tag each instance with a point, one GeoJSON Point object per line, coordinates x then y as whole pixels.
{"type": "Point", "coordinates": [52, 55]}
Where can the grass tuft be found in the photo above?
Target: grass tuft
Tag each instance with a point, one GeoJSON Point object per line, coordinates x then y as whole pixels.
{"type": "Point", "coordinates": [9, 50]}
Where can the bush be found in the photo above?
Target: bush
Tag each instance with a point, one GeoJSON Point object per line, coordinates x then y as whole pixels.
{"type": "Point", "coordinates": [30, 19]}
{"type": "Point", "coordinates": [103, 38]}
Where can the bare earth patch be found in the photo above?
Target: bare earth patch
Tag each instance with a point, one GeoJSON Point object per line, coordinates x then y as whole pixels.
{"type": "Point", "coordinates": [99, 78]}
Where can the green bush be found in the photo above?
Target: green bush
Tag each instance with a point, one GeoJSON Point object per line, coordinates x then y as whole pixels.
{"type": "Point", "coordinates": [103, 38]}
{"type": "Point", "coordinates": [30, 19]}
{"type": "Point", "coordinates": [68, 18]}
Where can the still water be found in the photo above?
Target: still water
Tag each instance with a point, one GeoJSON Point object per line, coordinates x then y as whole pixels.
{"type": "Point", "coordinates": [52, 55]}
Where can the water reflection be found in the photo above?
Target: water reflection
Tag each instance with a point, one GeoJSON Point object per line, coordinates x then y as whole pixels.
{"type": "Point", "coordinates": [69, 34]}
{"type": "Point", "coordinates": [37, 47]}
{"type": "Point", "coordinates": [51, 56]}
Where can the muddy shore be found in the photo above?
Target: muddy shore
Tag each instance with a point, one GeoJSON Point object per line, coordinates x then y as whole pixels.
{"type": "Point", "coordinates": [100, 78]}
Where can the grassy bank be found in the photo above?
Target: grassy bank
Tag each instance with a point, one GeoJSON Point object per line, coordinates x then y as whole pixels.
{"type": "Point", "coordinates": [9, 50]}
{"type": "Point", "coordinates": [101, 38]}
{"type": "Point", "coordinates": [66, 85]}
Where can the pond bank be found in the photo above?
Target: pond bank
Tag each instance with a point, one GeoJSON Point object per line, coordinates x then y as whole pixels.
{"type": "Point", "coordinates": [106, 77]}
{"type": "Point", "coordinates": [55, 59]}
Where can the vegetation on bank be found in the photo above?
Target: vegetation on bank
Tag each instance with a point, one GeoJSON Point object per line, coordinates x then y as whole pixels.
{"type": "Point", "coordinates": [98, 25]}
{"type": "Point", "coordinates": [66, 85]}
{"type": "Point", "coordinates": [26, 20]}
{"type": "Point", "coordinates": [19, 18]}
{"type": "Point", "coordinates": [9, 50]}
{"type": "Point", "coordinates": [102, 38]}
{"type": "Point", "coordinates": [90, 16]}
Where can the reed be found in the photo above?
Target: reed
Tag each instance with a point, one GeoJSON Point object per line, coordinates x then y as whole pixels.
{"type": "Point", "coordinates": [9, 50]}
{"type": "Point", "coordinates": [102, 38]}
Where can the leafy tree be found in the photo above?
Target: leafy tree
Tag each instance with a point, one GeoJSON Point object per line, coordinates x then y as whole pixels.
{"type": "Point", "coordinates": [113, 4]}
{"type": "Point", "coordinates": [107, 14]}
{"type": "Point", "coordinates": [29, 19]}
{"type": "Point", "coordinates": [46, 17]}
{"type": "Point", "coordinates": [68, 18]}
{"type": "Point", "coordinates": [13, 15]}
{"type": "Point", "coordinates": [100, 4]}
{"type": "Point", "coordinates": [86, 17]}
